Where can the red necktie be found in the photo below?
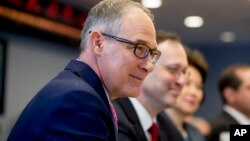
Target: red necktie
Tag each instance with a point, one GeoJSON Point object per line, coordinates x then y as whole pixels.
{"type": "Point", "coordinates": [154, 132]}
{"type": "Point", "coordinates": [114, 114]}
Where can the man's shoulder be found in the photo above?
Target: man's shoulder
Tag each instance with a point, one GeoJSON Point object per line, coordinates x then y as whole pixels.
{"type": "Point", "coordinates": [222, 120]}
{"type": "Point", "coordinates": [121, 101]}
{"type": "Point", "coordinates": [125, 111]}
{"type": "Point", "coordinates": [122, 105]}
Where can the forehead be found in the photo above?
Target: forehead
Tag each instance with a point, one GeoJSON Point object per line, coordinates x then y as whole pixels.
{"type": "Point", "coordinates": [172, 53]}
{"type": "Point", "coordinates": [193, 72]}
{"type": "Point", "coordinates": [138, 26]}
{"type": "Point", "coordinates": [244, 75]}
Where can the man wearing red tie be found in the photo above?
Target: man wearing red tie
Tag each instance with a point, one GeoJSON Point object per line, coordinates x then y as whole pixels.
{"type": "Point", "coordinates": [137, 116]}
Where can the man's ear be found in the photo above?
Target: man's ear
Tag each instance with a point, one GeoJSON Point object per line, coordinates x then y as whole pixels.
{"type": "Point", "coordinates": [229, 94]}
{"type": "Point", "coordinates": [96, 40]}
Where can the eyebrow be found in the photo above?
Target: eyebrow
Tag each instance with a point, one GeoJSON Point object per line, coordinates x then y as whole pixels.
{"type": "Point", "coordinates": [145, 43]}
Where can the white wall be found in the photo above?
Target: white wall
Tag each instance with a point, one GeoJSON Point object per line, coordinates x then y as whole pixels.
{"type": "Point", "coordinates": [31, 63]}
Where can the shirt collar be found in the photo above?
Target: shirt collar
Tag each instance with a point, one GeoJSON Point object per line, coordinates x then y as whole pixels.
{"type": "Point", "coordinates": [143, 115]}
{"type": "Point", "coordinates": [238, 116]}
{"type": "Point", "coordinates": [106, 92]}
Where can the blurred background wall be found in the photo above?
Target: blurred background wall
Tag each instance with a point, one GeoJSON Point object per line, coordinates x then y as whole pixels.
{"type": "Point", "coordinates": [30, 64]}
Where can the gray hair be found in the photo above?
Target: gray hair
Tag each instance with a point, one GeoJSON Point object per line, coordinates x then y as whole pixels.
{"type": "Point", "coordinates": [107, 17]}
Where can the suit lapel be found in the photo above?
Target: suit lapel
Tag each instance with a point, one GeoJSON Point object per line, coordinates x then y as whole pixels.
{"type": "Point", "coordinates": [87, 74]}
{"type": "Point", "coordinates": [131, 114]}
{"type": "Point", "coordinates": [168, 131]}
{"type": "Point", "coordinates": [227, 117]}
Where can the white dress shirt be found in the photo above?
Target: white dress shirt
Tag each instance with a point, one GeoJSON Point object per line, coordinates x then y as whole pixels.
{"type": "Point", "coordinates": [238, 116]}
{"type": "Point", "coordinates": [143, 115]}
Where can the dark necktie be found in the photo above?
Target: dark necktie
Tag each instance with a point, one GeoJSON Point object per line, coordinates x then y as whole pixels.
{"type": "Point", "coordinates": [153, 130]}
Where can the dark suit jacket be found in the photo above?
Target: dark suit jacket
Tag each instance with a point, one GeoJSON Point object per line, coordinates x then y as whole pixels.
{"type": "Point", "coordinates": [169, 130]}
{"type": "Point", "coordinates": [220, 124]}
{"type": "Point", "coordinates": [129, 126]}
{"type": "Point", "coordinates": [71, 107]}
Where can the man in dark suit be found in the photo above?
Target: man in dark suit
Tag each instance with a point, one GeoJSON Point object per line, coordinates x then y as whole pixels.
{"type": "Point", "coordinates": [159, 90]}
{"type": "Point", "coordinates": [113, 62]}
{"type": "Point", "coordinates": [234, 84]}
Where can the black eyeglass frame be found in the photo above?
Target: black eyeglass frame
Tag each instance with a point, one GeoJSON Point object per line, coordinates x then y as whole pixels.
{"type": "Point", "coordinates": [154, 52]}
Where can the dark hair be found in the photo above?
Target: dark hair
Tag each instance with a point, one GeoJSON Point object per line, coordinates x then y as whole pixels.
{"type": "Point", "coordinates": [163, 36]}
{"type": "Point", "coordinates": [198, 61]}
{"type": "Point", "coordinates": [229, 78]}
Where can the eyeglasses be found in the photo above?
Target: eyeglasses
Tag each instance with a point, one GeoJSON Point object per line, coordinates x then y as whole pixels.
{"type": "Point", "coordinates": [140, 50]}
